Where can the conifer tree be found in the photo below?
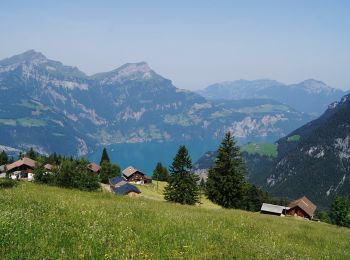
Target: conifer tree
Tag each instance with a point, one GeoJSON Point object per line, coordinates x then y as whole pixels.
{"type": "Point", "coordinates": [182, 186]}
{"type": "Point", "coordinates": [160, 173]}
{"type": "Point", "coordinates": [225, 184]}
{"type": "Point", "coordinates": [104, 156]}
{"type": "Point", "coordinates": [3, 158]}
{"type": "Point", "coordinates": [32, 154]}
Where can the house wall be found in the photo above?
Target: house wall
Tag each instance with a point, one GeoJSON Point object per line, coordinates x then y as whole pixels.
{"type": "Point", "coordinates": [297, 212]}
{"type": "Point", "coordinates": [136, 177]}
{"type": "Point", "coordinates": [133, 194]}
{"type": "Point", "coordinates": [270, 213]}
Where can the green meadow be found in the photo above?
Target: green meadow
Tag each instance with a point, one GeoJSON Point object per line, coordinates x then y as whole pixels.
{"type": "Point", "coordinates": [43, 222]}
{"type": "Point", "coordinates": [263, 149]}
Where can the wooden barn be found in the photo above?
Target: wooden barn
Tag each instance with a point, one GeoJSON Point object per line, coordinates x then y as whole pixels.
{"type": "Point", "coordinates": [131, 174]}
{"type": "Point", "coordinates": [302, 207]}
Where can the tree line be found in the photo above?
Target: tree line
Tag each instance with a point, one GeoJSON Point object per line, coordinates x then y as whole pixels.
{"type": "Point", "coordinates": [225, 186]}
{"type": "Point", "coordinates": [68, 172]}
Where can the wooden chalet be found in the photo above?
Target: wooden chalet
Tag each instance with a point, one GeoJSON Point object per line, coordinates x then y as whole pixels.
{"type": "Point", "coordinates": [93, 167]}
{"type": "Point", "coordinates": [302, 207]}
{"type": "Point", "coordinates": [22, 168]}
{"type": "Point", "coordinates": [131, 174]}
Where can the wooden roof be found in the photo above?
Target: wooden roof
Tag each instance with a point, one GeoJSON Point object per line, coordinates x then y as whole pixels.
{"type": "Point", "coordinates": [94, 167]}
{"type": "Point", "coordinates": [305, 204]}
{"type": "Point", "coordinates": [24, 161]}
{"type": "Point", "coordinates": [130, 171]}
{"type": "Point", "coordinates": [48, 166]}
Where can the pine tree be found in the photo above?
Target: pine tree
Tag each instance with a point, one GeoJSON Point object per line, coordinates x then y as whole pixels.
{"type": "Point", "coordinates": [160, 173]}
{"type": "Point", "coordinates": [104, 156]}
{"type": "Point", "coordinates": [182, 186]}
{"type": "Point", "coordinates": [32, 154]}
{"type": "Point", "coordinates": [225, 184]}
{"type": "Point", "coordinates": [3, 158]}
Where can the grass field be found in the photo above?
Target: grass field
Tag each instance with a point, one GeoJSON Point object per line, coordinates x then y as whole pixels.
{"type": "Point", "coordinates": [155, 192]}
{"type": "Point", "coordinates": [261, 149]}
{"type": "Point", "coordinates": [42, 222]}
{"type": "Point", "coordinates": [293, 138]}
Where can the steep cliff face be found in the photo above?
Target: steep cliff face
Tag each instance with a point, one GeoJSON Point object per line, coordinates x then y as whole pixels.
{"type": "Point", "coordinates": [315, 159]}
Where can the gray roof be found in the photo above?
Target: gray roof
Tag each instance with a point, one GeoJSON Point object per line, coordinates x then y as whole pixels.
{"type": "Point", "coordinates": [273, 208]}
{"type": "Point", "coordinates": [130, 171]}
{"type": "Point", "coordinates": [125, 189]}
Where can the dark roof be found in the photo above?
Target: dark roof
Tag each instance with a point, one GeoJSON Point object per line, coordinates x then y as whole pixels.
{"type": "Point", "coordinates": [115, 180]}
{"type": "Point", "coordinates": [305, 204]}
{"type": "Point", "coordinates": [125, 189]}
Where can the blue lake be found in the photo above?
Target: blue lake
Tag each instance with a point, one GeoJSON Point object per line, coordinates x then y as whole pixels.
{"type": "Point", "coordinates": [144, 156]}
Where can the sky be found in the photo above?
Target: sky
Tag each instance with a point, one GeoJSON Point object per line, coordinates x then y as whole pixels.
{"type": "Point", "coordinates": [194, 43]}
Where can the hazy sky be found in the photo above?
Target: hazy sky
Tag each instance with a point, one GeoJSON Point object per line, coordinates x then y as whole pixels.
{"type": "Point", "coordinates": [193, 43]}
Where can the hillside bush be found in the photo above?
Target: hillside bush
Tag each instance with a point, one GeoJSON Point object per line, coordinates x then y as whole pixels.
{"type": "Point", "coordinates": [108, 170]}
{"type": "Point", "coordinates": [75, 174]}
{"type": "Point", "coordinates": [6, 183]}
{"type": "Point", "coordinates": [340, 211]}
{"type": "Point", "coordinates": [43, 176]}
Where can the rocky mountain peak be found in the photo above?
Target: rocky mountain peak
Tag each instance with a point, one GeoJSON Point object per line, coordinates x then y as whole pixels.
{"type": "Point", "coordinates": [128, 71]}
{"type": "Point", "coordinates": [316, 86]}
{"type": "Point", "coordinates": [30, 56]}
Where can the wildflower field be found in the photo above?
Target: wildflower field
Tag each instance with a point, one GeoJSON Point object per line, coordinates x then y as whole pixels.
{"type": "Point", "coordinates": [43, 222]}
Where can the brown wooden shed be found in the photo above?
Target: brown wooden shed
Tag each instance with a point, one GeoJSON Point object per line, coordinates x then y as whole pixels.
{"type": "Point", "coordinates": [302, 207]}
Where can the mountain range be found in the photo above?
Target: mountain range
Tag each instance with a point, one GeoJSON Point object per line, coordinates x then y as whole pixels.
{"type": "Point", "coordinates": [57, 108]}
{"type": "Point", "coordinates": [309, 96]}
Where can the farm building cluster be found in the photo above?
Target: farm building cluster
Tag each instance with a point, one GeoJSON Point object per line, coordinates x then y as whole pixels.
{"type": "Point", "coordinates": [120, 185]}
{"type": "Point", "coordinates": [301, 207]}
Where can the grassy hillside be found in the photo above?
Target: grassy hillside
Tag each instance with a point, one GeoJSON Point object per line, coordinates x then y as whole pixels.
{"type": "Point", "coordinates": [40, 222]}
{"type": "Point", "coordinates": [155, 192]}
